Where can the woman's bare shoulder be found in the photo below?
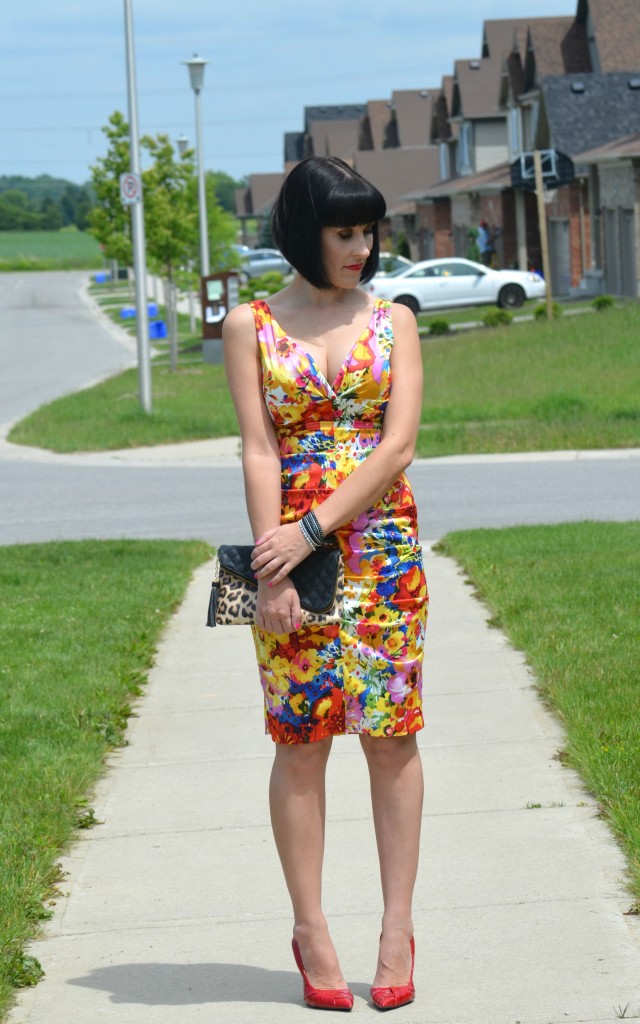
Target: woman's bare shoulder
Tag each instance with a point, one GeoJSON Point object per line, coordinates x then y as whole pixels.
{"type": "Point", "coordinates": [402, 317]}
{"type": "Point", "coordinates": [240, 318]}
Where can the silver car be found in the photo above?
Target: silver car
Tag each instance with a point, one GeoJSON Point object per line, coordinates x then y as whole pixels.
{"type": "Point", "coordinates": [257, 262]}
{"type": "Point", "coordinates": [434, 284]}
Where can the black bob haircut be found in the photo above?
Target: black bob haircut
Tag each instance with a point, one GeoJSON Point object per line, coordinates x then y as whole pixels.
{"type": "Point", "coordinates": [323, 192]}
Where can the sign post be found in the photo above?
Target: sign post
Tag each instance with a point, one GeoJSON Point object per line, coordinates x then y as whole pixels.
{"type": "Point", "coordinates": [542, 224]}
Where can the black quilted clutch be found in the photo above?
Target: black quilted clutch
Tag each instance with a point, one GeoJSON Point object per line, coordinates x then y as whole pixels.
{"type": "Point", "coordinates": [319, 580]}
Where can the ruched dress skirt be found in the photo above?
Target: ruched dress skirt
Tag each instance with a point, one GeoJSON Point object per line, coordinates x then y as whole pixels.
{"type": "Point", "coordinates": [364, 675]}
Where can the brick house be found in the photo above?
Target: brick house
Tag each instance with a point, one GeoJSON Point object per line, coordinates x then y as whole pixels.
{"type": "Point", "coordinates": [472, 129]}
{"type": "Point", "coordinates": [615, 185]}
{"type": "Point", "coordinates": [578, 113]}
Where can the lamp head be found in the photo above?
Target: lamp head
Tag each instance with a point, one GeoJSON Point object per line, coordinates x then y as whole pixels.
{"type": "Point", "coordinates": [196, 67]}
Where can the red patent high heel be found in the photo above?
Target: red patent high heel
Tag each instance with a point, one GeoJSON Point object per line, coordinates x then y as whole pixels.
{"type": "Point", "coordinates": [396, 995]}
{"type": "Point", "coordinates": [321, 998]}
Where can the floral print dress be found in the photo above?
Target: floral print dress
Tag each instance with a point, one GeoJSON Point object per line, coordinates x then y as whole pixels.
{"type": "Point", "coordinates": [363, 676]}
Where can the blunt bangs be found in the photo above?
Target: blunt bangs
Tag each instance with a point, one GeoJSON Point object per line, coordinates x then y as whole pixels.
{"type": "Point", "coordinates": [353, 201]}
{"type": "Point", "coordinates": [323, 192]}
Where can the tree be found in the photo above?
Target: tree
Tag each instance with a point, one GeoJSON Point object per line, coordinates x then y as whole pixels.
{"type": "Point", "coordinates": [222, 231]}
{"type": "Point", "coordinates": [225, 189]}
{"type": "Point", "coordinates": [17, 212]}
{"type": "Point", "coordinates": [171, 220]}
{"type": "Point", "coordinates": [110, 221]}
{"type": "Point", "coordinates": [50, 216]}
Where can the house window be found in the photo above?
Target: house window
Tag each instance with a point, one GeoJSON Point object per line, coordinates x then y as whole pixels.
{"type": "Point", "coordinates": [515, 145]}
{"type": "Point", "coordinates": [444, 161]}
{"type": "Point", "coordinates": [464, 149]}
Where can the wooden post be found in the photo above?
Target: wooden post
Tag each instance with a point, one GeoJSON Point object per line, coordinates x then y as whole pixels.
{"type": "Point", "coordinates": [542, 224]}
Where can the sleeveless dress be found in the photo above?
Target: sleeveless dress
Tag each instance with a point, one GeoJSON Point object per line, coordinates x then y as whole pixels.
{"type": "Point", "coordinates": [365, 675]}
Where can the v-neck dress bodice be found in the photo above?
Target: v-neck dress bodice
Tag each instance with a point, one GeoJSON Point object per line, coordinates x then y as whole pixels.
{"type": "Point", "coordinates": [364, 676]}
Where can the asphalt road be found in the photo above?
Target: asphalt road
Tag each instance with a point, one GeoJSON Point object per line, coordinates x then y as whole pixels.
{"type": "Point", "coordinates": [51, 343]}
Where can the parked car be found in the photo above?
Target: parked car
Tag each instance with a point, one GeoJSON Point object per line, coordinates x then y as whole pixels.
{"type": "Point", "coordinates": [390, 264]}
{"type": "Point", "coordinates": [457, 282]}
{"type": "Point", "coordinates": [257, 262]}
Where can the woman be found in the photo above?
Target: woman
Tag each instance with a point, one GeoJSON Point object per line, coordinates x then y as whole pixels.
{"type": "Point", "coordinates": [326, 439]}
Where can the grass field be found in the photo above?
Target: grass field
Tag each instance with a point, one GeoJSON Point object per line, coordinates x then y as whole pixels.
{"type": "Point", "coordinates": [67, 249]}
{"type": "Point", "coordinates": [569, 597]}
{"type": "Point", "coordinates": [79, 624]}
{"type": "Point", "coordinates": [571, 383]}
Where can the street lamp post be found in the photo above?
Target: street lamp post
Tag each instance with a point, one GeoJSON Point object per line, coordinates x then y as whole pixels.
{"type": "Point", "coordinates": [137, 221]}
{"type": "Point", "coordinates": [196, 75]}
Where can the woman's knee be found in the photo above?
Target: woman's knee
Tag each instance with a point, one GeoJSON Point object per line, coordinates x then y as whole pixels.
{"type": "Point", "coordinates": [303, 759]}
{"type": "Point", "coordinates": [389, 750]}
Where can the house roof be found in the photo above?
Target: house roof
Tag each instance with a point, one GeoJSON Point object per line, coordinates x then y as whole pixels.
{"type": "Point", "coordinates": [477, 82]}
{"type": "Point", "coordinates": [442, 129]}
{"type": "Point", "coordinates": [293, 147]}
{"type": "Point", "coordinates": [616, 27]}
{"type": "Point", "coordinates": [380, 119]}
{"type": "Point", "coordinates": [492, 179]}
{"type": "Point", "coordinates": [477, 89]}
{"type": "Point", "coordinates": [335, 138]}
{"type": "Point", "coordinates": [618, 149]}
{"type": "Point", "coordinates": [503, 35]}
{"type": "Point", "coordinates": [399, 171]}
{"type": "Point", "coordinates": [262, 191]}
{"type": "Point", "coordinates": [604, 108]}
{"type": "Point", "coordinates": [414, 111]}
{"type": "Point", "coordinates": [555, 46]}
{"type": "Point", "coordinates": [338, 112]}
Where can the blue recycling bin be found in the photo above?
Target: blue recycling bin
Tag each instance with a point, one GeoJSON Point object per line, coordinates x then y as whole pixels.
{"type": "Point", "coordinates": [102, 277]}
{"type": "Point", "coordinates": [157, 329]}
{"type": "Point", "coordinates": [129, 312]}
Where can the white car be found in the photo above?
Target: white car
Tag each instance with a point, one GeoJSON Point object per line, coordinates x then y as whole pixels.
{"type": "Point", "coordinates": [257, 262]}
{"type": "Point", "coordinates": [390, 264]}
{"type": "Point", "coordinates": [432, 284]}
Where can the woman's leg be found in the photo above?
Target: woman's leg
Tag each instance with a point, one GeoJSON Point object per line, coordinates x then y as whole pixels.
{"type": "Point", "coordinates": [297, 801]}
{"type": "Point", "coordinates": [395, 773]}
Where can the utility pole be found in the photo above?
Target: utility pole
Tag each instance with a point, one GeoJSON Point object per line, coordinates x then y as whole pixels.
{"type": "Point", "coordinates": [542, 223]}
{"type": "Point", "coordinates": [135, 200]}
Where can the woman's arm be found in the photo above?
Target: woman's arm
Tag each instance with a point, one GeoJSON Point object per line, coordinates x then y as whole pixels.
{"type": "Point", "coordinates": [279, 550]}
{"type": "Point", "coordinates": [279, 606]}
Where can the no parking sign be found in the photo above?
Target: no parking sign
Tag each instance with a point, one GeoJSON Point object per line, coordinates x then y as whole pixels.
{"type": "Point", "coordinates": [130, 188]}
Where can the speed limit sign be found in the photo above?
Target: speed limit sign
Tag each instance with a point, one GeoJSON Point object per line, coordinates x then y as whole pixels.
{"type": "Point", "coordinates": [130, 188]}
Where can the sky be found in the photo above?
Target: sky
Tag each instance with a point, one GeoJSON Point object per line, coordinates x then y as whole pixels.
{"type": "Point", "coordinates": [63, 72]}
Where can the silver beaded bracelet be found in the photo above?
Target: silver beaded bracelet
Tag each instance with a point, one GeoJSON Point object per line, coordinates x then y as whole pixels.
{"type": "Point", "coordinates": [313, 527]}
{"type": "Point", "coordinates": [307, 536]}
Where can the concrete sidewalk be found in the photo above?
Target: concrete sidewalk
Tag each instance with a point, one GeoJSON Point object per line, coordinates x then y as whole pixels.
{"type": "Point", "coordinates": [177, 911]}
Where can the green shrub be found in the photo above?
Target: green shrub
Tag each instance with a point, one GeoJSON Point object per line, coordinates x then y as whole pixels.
{"type": "Point", "coordinates": [602, 302]}
{"type": "Point", "coordinates": [497, 318]}
{"type": "Point", "coordinates": [270, 283]}
{"type": "Point", "coordinates": [540, 312]}
{"type": "Point", "coordinates": [439, 327]}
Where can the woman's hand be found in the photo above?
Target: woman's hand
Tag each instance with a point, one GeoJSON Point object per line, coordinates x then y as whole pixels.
{"type": "Point", "coordinates": [278, 551]}
{"type": "Point", "coordinates": [278, 608]}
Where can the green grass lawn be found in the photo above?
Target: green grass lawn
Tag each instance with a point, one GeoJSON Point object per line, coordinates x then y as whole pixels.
{"type": "Point", "coordinates": [471, 314]}
{"type": "Point", "coordinates": [79, 623]}
{"type": "Point", "coordinates": [569, 597]}
{"type": "Point", "coordinates": [67, 249]}
{"type": "Point", "coordinates": [571, 383]}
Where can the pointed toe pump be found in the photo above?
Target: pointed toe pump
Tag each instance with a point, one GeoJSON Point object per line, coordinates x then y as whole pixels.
{"type": "Point", "coordinates": [321, 998]}
{"type": "Point", "coordinates": [396, 995]}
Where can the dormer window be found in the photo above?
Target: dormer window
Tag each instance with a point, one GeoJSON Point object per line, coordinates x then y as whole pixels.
{"type": "Point", "coordinates": [515, 140]}
{"type": "Point", "coordinates": [464, 165]}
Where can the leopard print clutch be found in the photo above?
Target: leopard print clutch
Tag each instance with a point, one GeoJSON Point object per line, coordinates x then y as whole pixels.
{"type": "Point", "coordinates": [319, 580]}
